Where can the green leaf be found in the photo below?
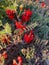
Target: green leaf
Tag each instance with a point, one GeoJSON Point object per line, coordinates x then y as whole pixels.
{"type": "Point", "coordinates": [2, 32]}
{"type": "Point", "coordinates": [13, 6]}
{"type": "Point", "coordinates": [8, 28]}
{"type": "Point", "coordinates": [0, 23]}
{"type": "Point", "coordinates": [43, 32]}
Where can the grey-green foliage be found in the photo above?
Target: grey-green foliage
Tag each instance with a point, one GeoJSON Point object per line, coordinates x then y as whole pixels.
{"type": "Point", "coordinates": [41, 16]}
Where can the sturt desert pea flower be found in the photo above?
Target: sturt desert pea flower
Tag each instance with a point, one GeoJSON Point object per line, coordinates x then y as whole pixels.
{"type": "Point", "coordinates": [29, 37]}
{"type": "Point", "coordinates": [4, 55]}
{"type": "Point", "coordinates": [10, 13]}
{"type": "Point", "coordinates": [20, 60]}
{"type": "Point", "coordinates": [26, 15]}
{"type": "Point", "coordinates": [43, 4]}
{"type": "Point", "coordinates": [19, 25]}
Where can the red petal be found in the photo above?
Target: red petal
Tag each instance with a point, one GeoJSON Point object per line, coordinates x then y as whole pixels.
{"type": "Point", "coordinates": [19, 25]}
{"type": "Point", "coordinates": [28, 12]}
{"type": "Point", "coordinates": [19, 59]}
{"type": "Point", "coordinates": [43, 4]}
{"type": "Point", "coordinates": [5, 55]}
{"type": "Point", "coordinates": [10, 13]}
{"type": "Point", "coordinates": [29, 37]}
{"type": "Point", "coordinates": [26, 38]}
{"type": "Point", "coordinates": [11, 17]}
{"type": "Point", "coordinates": [26, 15]}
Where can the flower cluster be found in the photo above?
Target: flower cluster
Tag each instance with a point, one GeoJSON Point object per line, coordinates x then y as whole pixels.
{"type": "Point", "coordinates": [10, 13]}
{"type": "Point", "coordinates": [29, 37]}
{"type": "Point", "coordinates": [26, 15]}
{"type": "Point", "coordinates": [19, 25]}
{"type": "Point", "coordinates": [23, 31]}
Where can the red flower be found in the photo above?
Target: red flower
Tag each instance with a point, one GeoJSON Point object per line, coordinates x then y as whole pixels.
{"type": "Point", "coordinates": [28, 12]}
{"type": "Point", "coordinates": [10, 13]}
{"type": "Point", "coordinates": [19, 25]}
{"type": "Point", "coordinates": [29, 37]}
{"type": "Point", "coordinates": [20, 59]}
{"type": "Point", "coordinates": [4, 54]}
{"type": "Point", "coordinates": [26, 16]}
{"type": "Point", "coordinates": [43, 4]}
